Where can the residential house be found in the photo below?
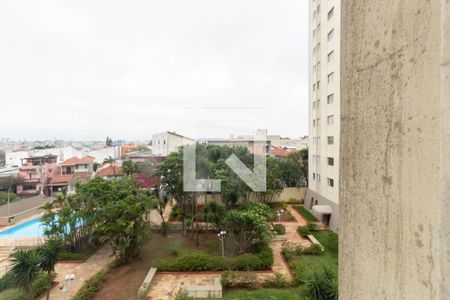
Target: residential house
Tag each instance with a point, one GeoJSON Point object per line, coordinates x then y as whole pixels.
{"type": "Point", "coordinates": [72, 171]}
{"type": "Point", "coordinates": [36, 172]}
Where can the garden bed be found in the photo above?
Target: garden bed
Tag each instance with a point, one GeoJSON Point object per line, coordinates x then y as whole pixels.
{"type": "Point", "coordinates": [305, 213]}
{"type": "Point", "coordinates": [285, 216]}
{"type": "Point", "coordinates": [305, 265]}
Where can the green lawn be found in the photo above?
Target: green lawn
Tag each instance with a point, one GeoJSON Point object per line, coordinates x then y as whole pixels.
{"type": "Point", "coordinates": [315, 263]}
{"type": "Point", "coordinates": [265, 294]}
{"type": "Point", "coordinates": [305, 213]}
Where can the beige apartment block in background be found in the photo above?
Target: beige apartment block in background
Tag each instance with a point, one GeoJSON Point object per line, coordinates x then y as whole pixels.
{"type": "Point", "coordinates": [394, 231]}
{"type": "Point", "coordinates": [324, 110]}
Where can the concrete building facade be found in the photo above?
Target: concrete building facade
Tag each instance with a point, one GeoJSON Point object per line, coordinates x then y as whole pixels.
{"type": "Point", "coordinates": [395, 150]}
{"type": "Point", "coordinates": [166, 142]}
{"type": "Point", "coordinates": [324, 111]}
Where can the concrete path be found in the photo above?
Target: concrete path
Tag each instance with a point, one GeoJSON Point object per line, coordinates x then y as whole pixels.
{"type": "Point", "coordinates": [82, 271]}
{"type": "Point", "coordinates": [165, 286]}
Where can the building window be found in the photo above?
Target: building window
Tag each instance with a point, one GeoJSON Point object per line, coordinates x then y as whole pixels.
{"type": "Point", "coordinates": [318, 122]}
{"type": "Point", "coordinates": [331, 56]}
{"type": "Point", "coordinates": [330, 35]}
{"type": "Point", "coordinates": [318, 9]}
{"type": "Point", "coordinates": [318, 104]}
{"type": "Point", "coordinates": [330, 77]}
{"type": "Point", "coordinates": [318, 177]}
{"type": "Point", "coordinates": [330, 13]}
{"type": "Point", "coordinates": [330, 98]}
{"type": "Point", "coordinates": [318, 29]}
{"type": "Point", "coordinates": [330, 182]}
{"type": "Point", "coordinates": [314, 33]}
{"type": "Point", "coordinates": [318, 84]}
{"type": "Point", "coordinates": [330, 120]}
{"type": "Point", "coordinates": [314, 123]}
{"type": "Point", "coordinates": [314, 176]}
{"type": "Point", "coordinates": [330, 140]}
{"type": "Point", "coordinates": [318, 48]}
{"type": "Point", "coordinates": [330, 161]}
{"type": "Point", "coordinates": [314, 105]}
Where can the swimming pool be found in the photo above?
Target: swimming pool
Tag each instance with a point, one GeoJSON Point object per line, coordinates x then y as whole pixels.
{"type": "Point", "coordinates": [30, 228]}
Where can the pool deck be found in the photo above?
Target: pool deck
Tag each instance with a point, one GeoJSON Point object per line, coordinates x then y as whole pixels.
{"type": "Point", "coordinates": [7, 245]}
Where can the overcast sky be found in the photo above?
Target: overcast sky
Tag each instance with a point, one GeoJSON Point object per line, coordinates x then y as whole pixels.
{"type": "Point", "coordinates": [127, 69]}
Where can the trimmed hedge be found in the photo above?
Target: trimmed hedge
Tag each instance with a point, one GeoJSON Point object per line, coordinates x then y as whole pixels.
{"type": "Point", "coordinates": [305, 213]}
{"type": "Point", "coordinates": [279, 229]}
{"type": "Point", "coordinates": [194, 261]}
{"type": "Point", "coordinates": [303, 231]}
{"type": "Point", "coordinates": [92, 285]}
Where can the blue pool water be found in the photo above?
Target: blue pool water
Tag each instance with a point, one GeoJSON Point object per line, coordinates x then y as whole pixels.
{"type": "Point", "coordinates": [31, 228]}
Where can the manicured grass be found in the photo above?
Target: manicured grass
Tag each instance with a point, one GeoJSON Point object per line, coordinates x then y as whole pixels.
{"type": "Point", "coordinates": [305, 213]}
{"type": "Point", "coordinates": [265, 294]}
{"type": "Point", "coordinates": [315, 263]}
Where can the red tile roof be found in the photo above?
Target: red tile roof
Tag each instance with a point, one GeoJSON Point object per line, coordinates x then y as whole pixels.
{"type": "Point", "coordinates": [109, 171]}
{"type": "Point", "coordinates": [78, 161]}
{"type": "Point", "coordinates": [275, 151]}
{"type": "Point", "coordinates": [59, 179]}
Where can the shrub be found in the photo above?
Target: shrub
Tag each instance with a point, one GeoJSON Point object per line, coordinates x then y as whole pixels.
{"type": "Point", "coordinates": [67, 255]}
{"type": "Point", "coordinates": [231, 279]}
{"type": "Point", "coordinates": [176, 213]}
{"type": "Point", "coordinates": [91, 286]}
{"type": "Point", "coordinates": [7, 281]}
{"type": "Point", "coordinates": [193, 261]}
{"type": "Point", "coordinates": [12, 294]}
{"type": "Point", "coordinates": [42, 283]}
{"type": "Point", "coordinates": [278, 281]}
{"type": "Point", "coordinates": [323, 286]}
{"type": "Point", "coordinates": [312, 226]}
{"type": "Point", "coordinates": [303, 231]}
{"type": "Point", "coordinates": [284, 205]}
{"type": "Point", "coordinates": [279, 229]}
{"type": "Point", "coordinates": [314, 249]}
{"type": "Point", "coordinates": [175, 249]}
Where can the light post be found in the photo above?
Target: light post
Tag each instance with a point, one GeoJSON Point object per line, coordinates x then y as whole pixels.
{"type": "Point", "coordinates": [221, 236]}
{"type": "Point", "coordinates": [279, 214]}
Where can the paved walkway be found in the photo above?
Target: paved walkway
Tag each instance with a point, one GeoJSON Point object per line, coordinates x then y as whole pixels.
{"type": "Point", "coordinates": [165, 286]}
{"type": "Point", "coordinates": [82, 271]}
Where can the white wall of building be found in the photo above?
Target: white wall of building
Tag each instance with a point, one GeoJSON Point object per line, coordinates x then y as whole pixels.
{"type": "Point", "coordinates": [324, 101]}
{"type": "Point", "coordinates": [14, 158]}
{"type": "Point", "coordinates": [166, 142]}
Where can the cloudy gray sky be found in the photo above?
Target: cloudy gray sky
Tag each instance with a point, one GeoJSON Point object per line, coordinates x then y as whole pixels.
{"type": "Point", "coordinates": [127, 69]}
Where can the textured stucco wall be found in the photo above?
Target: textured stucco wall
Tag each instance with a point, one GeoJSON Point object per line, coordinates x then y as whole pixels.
{"type": "Point", "coordinates": [394, 165]}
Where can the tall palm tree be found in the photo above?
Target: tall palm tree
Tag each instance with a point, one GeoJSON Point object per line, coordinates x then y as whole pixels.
{"type": "Point", "coordinates": [25, 269]}
{"type": "Point", "coordinates": [112, 162]}
{"type": "Point", "coordinates": [48, 254]}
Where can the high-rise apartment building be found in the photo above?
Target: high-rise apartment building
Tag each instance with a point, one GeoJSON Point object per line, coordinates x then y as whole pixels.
{"type": "Point", "coordinates": [324, 111]}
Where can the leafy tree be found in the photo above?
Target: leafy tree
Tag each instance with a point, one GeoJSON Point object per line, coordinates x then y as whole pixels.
{"type": "Point", "coordinates": [25, 269]}
{"type": "Point", "coordinates": [274, 184]}
{"type": "Point", "coordinates": [250, 226]}
{"type": "Point", "coordinates": [215, 213]}
{"type": "Point", "coordinates": [109, 142]}
{"type": "Point", "coordinates": [129, 168]}
{"type": "Point", "coordinates": [122, 217]}
{"type": "Point", "coordinates": [48, 254]}
{"type": "Point", "coordinates": [160, 203]}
